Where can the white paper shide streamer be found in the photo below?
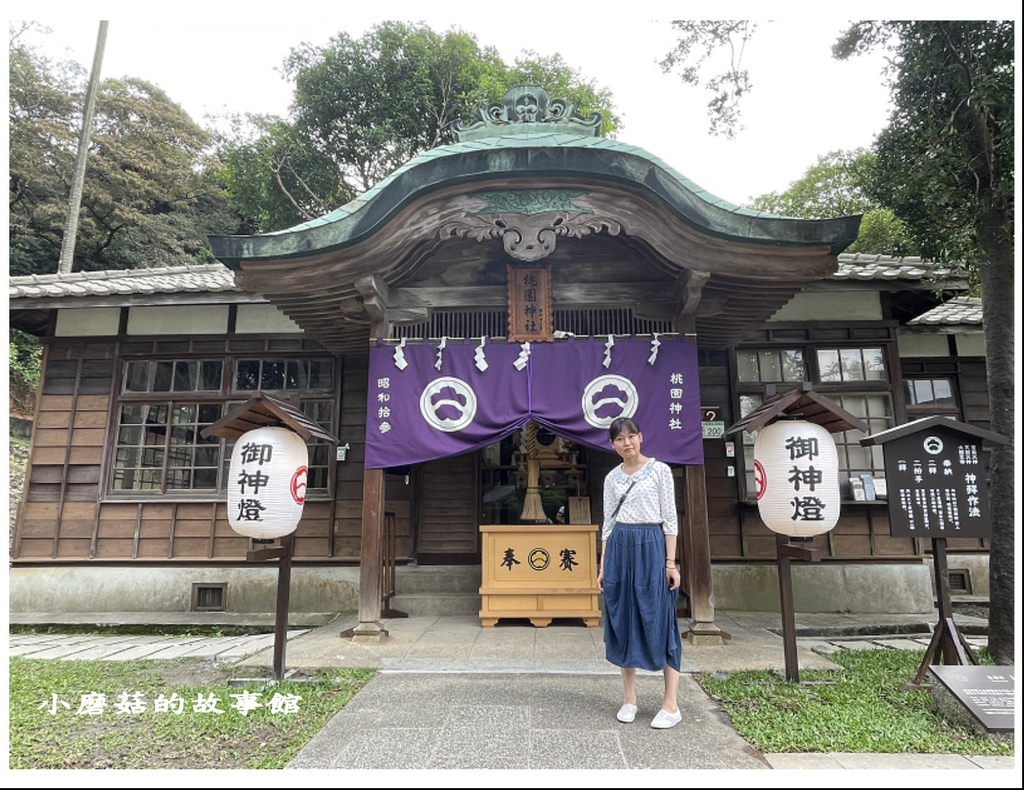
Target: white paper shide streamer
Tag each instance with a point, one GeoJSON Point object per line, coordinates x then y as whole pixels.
{"type": "Point", "coordinates": [524, 356]}
{"type": "Point", "coordinates": [654, 349]}
{"type": "Point", "coordinates": [608, 351]}
{"type": "Point", "coordinates": [440, 352]}
{"type": "Point", "coordinates": [479, 356]}
{"type": "Point", "coordinates": [267, 483]}
{"type": "Point", "coordinates": [400, 361]}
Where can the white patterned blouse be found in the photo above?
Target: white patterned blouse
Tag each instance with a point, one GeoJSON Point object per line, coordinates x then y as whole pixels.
{"type": "Point", "coordinates": [651, 501]}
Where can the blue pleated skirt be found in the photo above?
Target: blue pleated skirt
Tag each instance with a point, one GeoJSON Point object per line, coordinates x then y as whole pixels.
{"type": "Point", "coordinates": [640, 626]}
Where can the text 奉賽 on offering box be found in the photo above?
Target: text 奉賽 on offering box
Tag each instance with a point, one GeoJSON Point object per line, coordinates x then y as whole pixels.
{"type": "Point", "coordinates": [539, 572]}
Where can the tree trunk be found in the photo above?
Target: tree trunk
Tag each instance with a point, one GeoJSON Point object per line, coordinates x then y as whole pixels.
{"type": "Point", "coordinates": [998, 296]}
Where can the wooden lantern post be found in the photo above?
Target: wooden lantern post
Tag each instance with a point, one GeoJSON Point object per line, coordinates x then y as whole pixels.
{"type": "Point", "coordinates": [806, 405]}
{"type": "Point", "coordinates": [264, 411]}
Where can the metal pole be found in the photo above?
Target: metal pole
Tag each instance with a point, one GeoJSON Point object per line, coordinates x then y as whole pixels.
{"type": "Point", "coordinates": [67, 247]}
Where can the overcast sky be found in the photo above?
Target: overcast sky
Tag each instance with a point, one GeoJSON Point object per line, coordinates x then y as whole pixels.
{"type": "Point", "coordinates": [803, 104]}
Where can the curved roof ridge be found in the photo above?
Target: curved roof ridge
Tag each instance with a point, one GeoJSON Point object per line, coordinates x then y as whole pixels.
{"type": "Point", "coordinates": [539, 154]}
{"type": "Point", "coordinates": [517, 140]}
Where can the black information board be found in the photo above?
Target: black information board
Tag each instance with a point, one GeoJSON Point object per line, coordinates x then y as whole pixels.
{"type": "Point", "coordinates": [986, 691]}
{"type": "Point", "coordinates": [936, 485]}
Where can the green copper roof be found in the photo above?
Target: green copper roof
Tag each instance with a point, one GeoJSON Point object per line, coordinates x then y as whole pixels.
{"type": "Point", "coordinates": [525, 155]}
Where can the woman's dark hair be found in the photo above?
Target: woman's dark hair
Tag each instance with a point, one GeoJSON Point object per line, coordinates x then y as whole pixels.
{"type": "Point", "coordinates": [622, 423]}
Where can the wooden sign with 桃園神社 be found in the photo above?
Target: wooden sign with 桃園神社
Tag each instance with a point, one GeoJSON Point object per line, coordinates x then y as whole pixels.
{"type": "Point", "coordinates": [529, 304]}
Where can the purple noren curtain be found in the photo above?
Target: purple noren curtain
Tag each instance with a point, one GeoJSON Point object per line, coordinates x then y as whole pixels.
{"type": "Point", "coordinates": [419, 413]}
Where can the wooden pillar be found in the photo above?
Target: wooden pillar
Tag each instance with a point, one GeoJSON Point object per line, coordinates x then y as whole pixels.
{"type": "Point", "coordinates": [284, 586]}
{"type": "Point", "coordinates": [947, 643]}
{"type": "Point", "coordinates": [371, 559]}
{"type": "Point", "coordinates": [698, 544]}
{"type": "Point", "coordinates": [697, 540]}
{"type": "Point", "coordinates": [787, 609]}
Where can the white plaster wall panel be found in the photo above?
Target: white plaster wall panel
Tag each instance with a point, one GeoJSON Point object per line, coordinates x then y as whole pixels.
{"type": "Point", "coordinates": [183, 320]}
{"type": "Point", "coordinates": [88, 322]}
{"type": "Point", "coordinates": [923, 345]}
{"type": "Point", "coordinates": [818, 306]}
{"type": "Point", "coordinates": [971, 344]}
{"type": "Point", "coordinates": [263, 318]}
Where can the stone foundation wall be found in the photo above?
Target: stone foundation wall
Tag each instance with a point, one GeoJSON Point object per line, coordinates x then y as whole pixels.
{"type": "Point", "coordinates": [122, 589]}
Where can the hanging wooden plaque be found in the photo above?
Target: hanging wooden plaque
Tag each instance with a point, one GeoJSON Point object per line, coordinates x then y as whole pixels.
{"type": "Point", "coordinates": [530, 318]}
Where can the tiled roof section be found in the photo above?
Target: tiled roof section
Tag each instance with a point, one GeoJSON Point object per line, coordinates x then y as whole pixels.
{"type": "Point", "coordinates": [217, 277]}
{"type": "Point", "coordinates": [857, 266]}
{"type": "Point", "coordinates": [208, 278]}
{"type": "Point", "coordinates": [961, 311]}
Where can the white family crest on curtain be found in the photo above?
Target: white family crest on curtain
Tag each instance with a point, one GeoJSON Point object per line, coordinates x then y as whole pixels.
{"type": "Point", "coordinates": [267, 483]}
{"type": "Point", "coordinates": [796, 475]}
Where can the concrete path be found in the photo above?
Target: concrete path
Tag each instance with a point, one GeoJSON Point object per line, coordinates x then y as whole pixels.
{"type": "Point", "coordinates": [522, 722]}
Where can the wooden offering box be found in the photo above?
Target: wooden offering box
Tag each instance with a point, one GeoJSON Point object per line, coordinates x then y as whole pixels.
{"type": "Point", "coordinates": [539, 572]}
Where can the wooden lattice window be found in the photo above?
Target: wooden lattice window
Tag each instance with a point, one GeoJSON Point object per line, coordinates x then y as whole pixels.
{"type": "Point", "coordinates": [165, 404]}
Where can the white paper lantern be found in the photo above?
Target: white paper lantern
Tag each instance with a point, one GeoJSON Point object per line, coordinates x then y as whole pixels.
{"type": "Point", "coordinates": [267, 483]}
{"type": "Point", "coordinates": [796, 473]}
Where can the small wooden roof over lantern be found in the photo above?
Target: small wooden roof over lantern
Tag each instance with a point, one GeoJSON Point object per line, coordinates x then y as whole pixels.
{"type": "Point", "coordinates": [805, 403]}
{"type": "Point", "coordinates": [264, 411]}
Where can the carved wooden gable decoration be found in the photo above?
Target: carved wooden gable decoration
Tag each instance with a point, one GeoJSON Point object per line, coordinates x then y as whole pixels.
{"type": "Point", "coordinates": [528, 221]}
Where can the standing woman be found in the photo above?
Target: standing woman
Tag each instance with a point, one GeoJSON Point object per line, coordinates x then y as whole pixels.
{"type": "Point", "coordinates": [638, 575]}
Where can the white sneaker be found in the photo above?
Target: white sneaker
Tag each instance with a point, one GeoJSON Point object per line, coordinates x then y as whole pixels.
{"type": "Point", "coordinates": [626, 713]}
{"type": "Point", "coordinates": [665, 720]}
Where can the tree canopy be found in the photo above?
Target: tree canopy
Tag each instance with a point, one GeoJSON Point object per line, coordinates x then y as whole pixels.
{"type": "Point", "coordinates": [150, 195]}
{"type": "Point", "coordinates": [946, 157]}
{"type": "Point", "coordinates": [699, 41]}
{"type": "Point", "coordinates": [944, 166]}
{"type": "Point", "coordinates": [834, 186]}
{"type": "Point", "coordinates": [365, 106]}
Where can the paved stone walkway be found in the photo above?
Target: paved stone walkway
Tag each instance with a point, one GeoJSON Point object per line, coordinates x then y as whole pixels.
{"type": "Point", "coordinates": [542, 696]}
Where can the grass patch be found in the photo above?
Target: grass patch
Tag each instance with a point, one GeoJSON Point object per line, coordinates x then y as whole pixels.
{"type": "Point", "coordinates": [860, 708]}
{"type": "Point", "coordinates": [45, 734]}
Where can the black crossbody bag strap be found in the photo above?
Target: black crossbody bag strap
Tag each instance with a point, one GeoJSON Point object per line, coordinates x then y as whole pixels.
{"type": "Point", "coordinates": [623, 499]}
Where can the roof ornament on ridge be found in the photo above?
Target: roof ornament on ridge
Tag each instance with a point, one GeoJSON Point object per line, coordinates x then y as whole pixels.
{"type": "Point", "coordinates": [526, 109]}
